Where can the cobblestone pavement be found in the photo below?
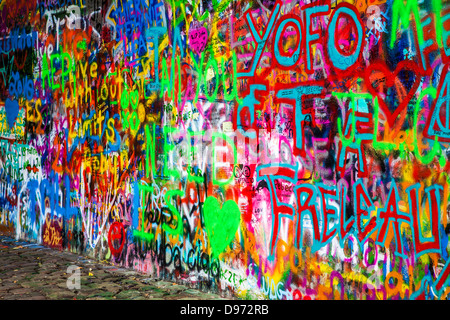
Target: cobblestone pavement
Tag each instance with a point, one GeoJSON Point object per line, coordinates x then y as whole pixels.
{"type": "Point", "coordinates": [33, 272]}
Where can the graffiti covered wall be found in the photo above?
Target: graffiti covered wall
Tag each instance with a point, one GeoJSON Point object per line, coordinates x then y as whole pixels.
{"type": "Point", "coordinates": [281, 149]}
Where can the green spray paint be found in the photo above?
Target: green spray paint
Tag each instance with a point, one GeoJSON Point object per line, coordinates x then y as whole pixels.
{"type": "Point", "coordinates": [401, 13]}
{"type": "Point", "coordinates": [221, 223]}
{"type": "Point", "coordinates": [150, 150]}
{"type": "Point", "coordinates": [234, 93]}
{"type": "Point", "coordinates": [191, 177]}
{"type": "Point", "coordinates": [353, 96]}
{"type": "Point", "coordinates": [168, 147]}
{"type": "Point", "coordinates": [223, 136]}
{"type": "Point", "coordinates": [141, 233]}
{"type": "Point", "coordinates": [199, 69]}
{"type": "Point", "coordinates": [167, 197]}
{"type": "Point", "coordinates": [436, 149]}
{"type": "Point", "coordinates": [378, 145]}
{"type": "Point", "coordinates": [212, 62]}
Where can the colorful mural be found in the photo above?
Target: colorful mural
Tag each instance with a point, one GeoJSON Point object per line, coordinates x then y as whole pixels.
{"type": "Point", "coordinates": [267, 149]}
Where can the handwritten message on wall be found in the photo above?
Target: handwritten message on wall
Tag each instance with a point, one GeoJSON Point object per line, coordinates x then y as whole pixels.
{"type": "Point", "coordinates": [260, 149]}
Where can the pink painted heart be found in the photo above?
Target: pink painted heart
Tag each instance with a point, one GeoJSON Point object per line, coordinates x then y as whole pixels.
{"type": "Point", "coordinates": [198, 37]}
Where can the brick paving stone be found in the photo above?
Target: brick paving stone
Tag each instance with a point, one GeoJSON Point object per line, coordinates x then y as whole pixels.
{"type": "Point", "coordinates": [127, 294]}
{"type": "Point", "coordinates": [9, 287]}
{"type": "Point", "coordinates": [10, 297]}
{"type": "Point", "coordinates": [111, 287]}
{"type": "Point", "coordinates": [103, 294]}
{"type": "Point", "coordinates": [19, 291]}
{"type": "Point", "coordinates": [37, 297]}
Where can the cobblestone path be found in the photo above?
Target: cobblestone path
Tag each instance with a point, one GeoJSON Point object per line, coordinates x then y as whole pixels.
{"type": "Point", "coordinates": [33, 272]}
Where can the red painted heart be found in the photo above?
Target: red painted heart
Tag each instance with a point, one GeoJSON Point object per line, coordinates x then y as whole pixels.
{"type": "Point", "coordinates": [378, 86]}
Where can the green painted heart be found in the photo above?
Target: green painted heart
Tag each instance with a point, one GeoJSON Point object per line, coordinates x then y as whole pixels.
{"type": "Point", "coordinates": [221, 223]}
{"type": "Point", "coordinates": [134, 99]}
